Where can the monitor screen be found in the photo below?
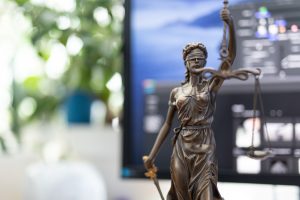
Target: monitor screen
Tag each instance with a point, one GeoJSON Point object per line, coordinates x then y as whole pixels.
{"type": "Point", "coordinates": [267, 37]}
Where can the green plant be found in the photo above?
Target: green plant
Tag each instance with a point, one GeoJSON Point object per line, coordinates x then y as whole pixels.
{"type": "Point", "coordinates": [80, 46]}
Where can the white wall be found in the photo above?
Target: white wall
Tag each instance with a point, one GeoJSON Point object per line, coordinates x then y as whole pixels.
{"type": "Point", "coordinates": [102, 148]}
{"type": "Point", "coordinates": [106, 145]}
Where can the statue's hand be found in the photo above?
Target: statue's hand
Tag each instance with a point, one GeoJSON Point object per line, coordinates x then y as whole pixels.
{"type": "Point", "coordinates": [225, 15]}
{"type": "Point", "coordinates": [151, 168]}
{"type": "Point", "coordinates": [148, 163]}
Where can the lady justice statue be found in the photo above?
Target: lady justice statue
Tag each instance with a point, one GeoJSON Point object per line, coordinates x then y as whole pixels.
{"type": "Point", "coordinates": [194, 170]}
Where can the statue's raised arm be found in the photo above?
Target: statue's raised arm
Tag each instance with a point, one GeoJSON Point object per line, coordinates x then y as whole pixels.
{"type": "Point", "coordinates": [228, 48]}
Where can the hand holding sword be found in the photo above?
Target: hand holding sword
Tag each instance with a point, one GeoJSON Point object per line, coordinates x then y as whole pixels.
{"type": "Point", "coordinates": [151, 173]}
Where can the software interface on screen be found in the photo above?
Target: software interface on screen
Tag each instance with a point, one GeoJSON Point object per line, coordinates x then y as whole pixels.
{"type": "Point", "coordinates": [267, 37]}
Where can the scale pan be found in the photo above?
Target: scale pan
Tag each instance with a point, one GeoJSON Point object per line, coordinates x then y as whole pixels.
{"type": "Point", "coordinates": [259, 154]}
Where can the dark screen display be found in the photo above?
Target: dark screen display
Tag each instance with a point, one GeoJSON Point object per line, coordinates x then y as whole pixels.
{"type": "Point", "coordinates": [267, 37]}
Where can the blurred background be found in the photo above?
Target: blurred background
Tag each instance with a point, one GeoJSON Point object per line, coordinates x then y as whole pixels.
{"type": "Point", "coordinates": [61, 101]}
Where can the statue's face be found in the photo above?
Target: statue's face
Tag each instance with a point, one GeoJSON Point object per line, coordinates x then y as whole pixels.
{"type": "Point", "coordinates": [195, 59]}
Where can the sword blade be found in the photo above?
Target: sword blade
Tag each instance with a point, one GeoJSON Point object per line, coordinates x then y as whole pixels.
{"type": "Point", "coordinates": [156, 183]}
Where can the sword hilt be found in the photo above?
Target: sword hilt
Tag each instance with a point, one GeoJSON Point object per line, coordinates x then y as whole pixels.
{"type": "Point", "coordinates": [151, 172]}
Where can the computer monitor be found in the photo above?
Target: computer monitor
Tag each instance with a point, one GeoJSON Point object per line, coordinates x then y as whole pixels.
{"type": "Point", "coordinates": [267, 37]}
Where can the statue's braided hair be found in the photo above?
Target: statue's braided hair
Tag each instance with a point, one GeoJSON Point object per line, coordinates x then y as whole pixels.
{"type": "Point", "coordinates": [191, 46]}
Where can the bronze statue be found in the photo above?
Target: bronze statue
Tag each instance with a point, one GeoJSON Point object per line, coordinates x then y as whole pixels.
{"type": "Point", "coordinates": [194, 170]}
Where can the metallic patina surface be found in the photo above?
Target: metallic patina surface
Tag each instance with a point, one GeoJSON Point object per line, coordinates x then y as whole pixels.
{"type": "Point", "coordinates": [194, 169]}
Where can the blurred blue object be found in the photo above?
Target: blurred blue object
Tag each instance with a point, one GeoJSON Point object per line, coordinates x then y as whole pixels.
{"type": "Point", "coordinates": [78, 107]}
